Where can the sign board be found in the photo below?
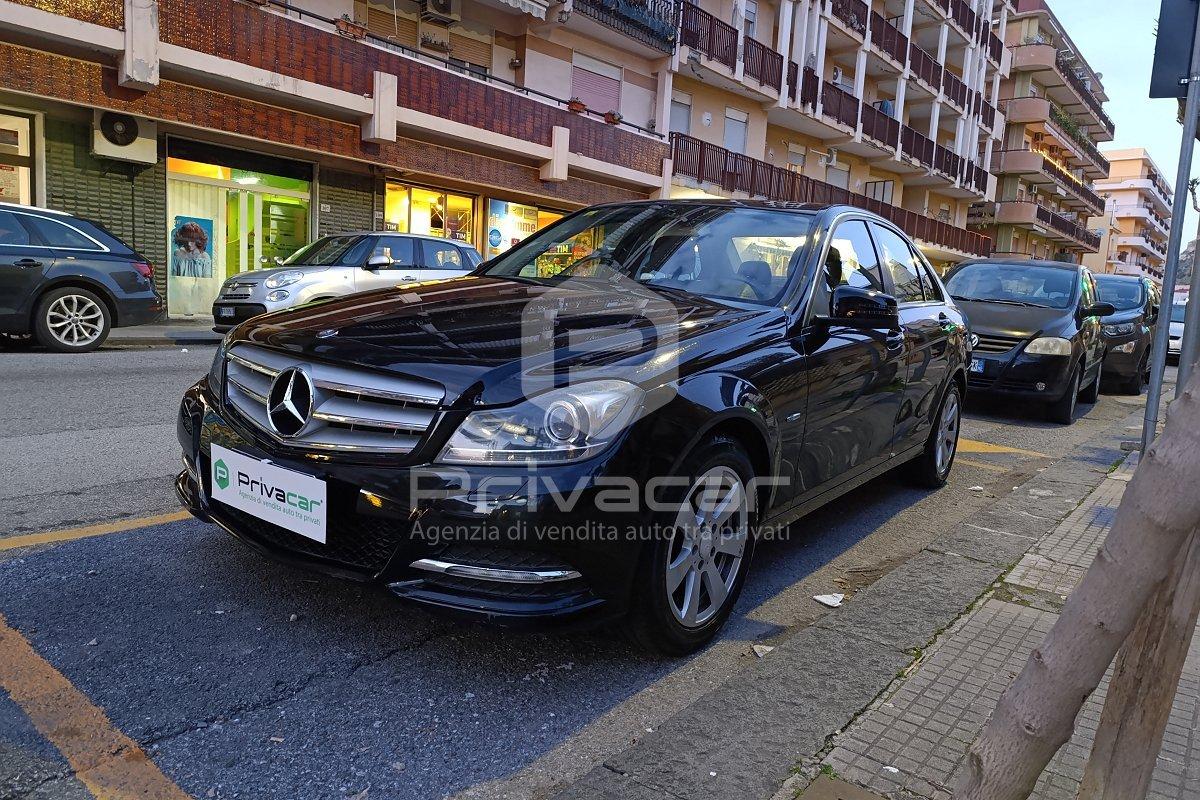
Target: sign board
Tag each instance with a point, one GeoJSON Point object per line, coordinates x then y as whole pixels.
{"type": "Point", "coordinates": [1173, 48]}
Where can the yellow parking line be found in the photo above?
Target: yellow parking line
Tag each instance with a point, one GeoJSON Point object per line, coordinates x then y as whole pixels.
{"type": "Point", "coordinates": [976, 446]}
{"type": "Point", "coordinates": [70, 534]}
{"type": "Point", "coordinates": [106, 761]}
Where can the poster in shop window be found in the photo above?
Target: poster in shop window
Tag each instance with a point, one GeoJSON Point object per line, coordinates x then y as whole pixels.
{"type": "Point", "coordinates": [10, 184]}
{"type": "Point", "coordinates": [192, 240]}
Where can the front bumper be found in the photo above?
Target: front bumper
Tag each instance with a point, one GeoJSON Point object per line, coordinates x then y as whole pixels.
{"type": "Point", "coordinates": [514, 556]}
{"type": "Point", "coordinates": [1020, 375]}
{"type": "Point", "coordinates": [1120, 359]}
{"type": "Point", "coordinates": [228, 315]}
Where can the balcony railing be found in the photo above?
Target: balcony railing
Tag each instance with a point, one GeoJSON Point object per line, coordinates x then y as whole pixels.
{"type": "Point", "coordinates": [763, 64]}
{"type": "Point", "coordinates": [651, 22]}
{"type": "Point", "coordinates": [1067, 226]}
{"type": "Point", "coordinates": [1069, 126]}
{"type": "Point", "coordinates": [793, 76]}
{"type": "Point", "coordinates": [879, 126]}
{"type": "Point", "coordinates": [853, 13]}
{"type": "Point", "coordinates": [960, 12]}
{"type": "Point", "coordinates": [810, 87]}
{"type": "Point", "coordinates": [1083, 90]}
{"type": "Point", "coordinates": [995, 46]}
{"type": "Point", "coordinates": [987, 113]}
{"type": "Point", "coordinates": [1073, 185]}
{"type": "Point", "coordinates": [703, 32]}
{"type": "Point", "coordinates": [887, 38]}
{"type": "Point", "coordinates": [925, 66]}
{"type": "Point", "coordinates": [975, 176]}
{"type": "Point", "coordinates": [954, 88]}
{"type": "Point", "coordinates": [709, 163]}
{"type": "Point", "coordinates": [917, 145]}
{"type": "Point", "coordinates": [836, 102]}
{"type": "Point", "coordinates": [946, 161]}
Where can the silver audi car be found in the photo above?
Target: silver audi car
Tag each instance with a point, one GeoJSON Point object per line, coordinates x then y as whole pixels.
{"type": "Point", "coordinates": [333, 266]}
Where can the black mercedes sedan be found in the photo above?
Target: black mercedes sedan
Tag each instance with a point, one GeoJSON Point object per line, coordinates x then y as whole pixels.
{"type": "Point", "coordinates": [1129, 331]}
{"type": "Point", "coordinates": [595, 425]}
{"type": "Point", "coordinates": [1035, 331]}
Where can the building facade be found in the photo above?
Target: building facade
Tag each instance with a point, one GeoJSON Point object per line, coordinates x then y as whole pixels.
{"type": "Point", "coordinates": [266, 124]}
{"type": "Point", "coordinates": [888, 104]}
{"type": "Point", "coordinates": [1048, 159]}
{"type": "Point", "coordinates": [1137, 216]}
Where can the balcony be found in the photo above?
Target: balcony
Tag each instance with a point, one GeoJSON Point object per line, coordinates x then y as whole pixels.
{"type": "Point", "coordinates": [925, 67]}
{"type": "Point", "coordinates": [706, 34]}
{"type": "Point", "coordinates": [1058, 226]}
{"type": "Point", "coordinates": [1143, 244]}
{"type": "Point", "coordinates": [879, 126]}
{"type": "Point", "coordinates": [839, 104]}
{"type": "Point", "coordinates": [1146, 213]}
{"type": "Point", "coordinates": [995, 48]}
{"type": "Point", "coordinates": [852, 14]}
{"type": "Point", "coordinates": [1037, 168]}
{"type": "Point", "coordinates": [888, 40]}
{"type": "Point", "coordinates": [1062, 126]}
{"type": "Point", "coordinates": [1063, 83]}
{"type": "Point", "coordinates": [964, 17]}
{"type": "Point", "coordinates": [917, 146]}
{"type": "Point", "coordinates": [762, 63]}
{"type": "Point", "coordinates": [955, 89]}
{"type": "Point", "coordinates": [651, 22]}
{"type": "Point", "coordinates": [734, 172]}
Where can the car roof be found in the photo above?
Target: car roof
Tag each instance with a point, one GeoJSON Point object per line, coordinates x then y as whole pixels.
{"type": "Point", "coordinates": [1025, 262]}
{"type": "Point", "coordinates": [785, 205]}
{"type": "Point", "coordinates": [407, 235]}
{"type": "Point", "coordinates": [27, 207]}
{"type": "Point", "coordinates": [1108, 276]}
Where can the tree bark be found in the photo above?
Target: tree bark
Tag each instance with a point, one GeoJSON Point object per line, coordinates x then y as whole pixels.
{"type": "Point", "coordinates": [1036, 714]}
{"type": "Point", "coordinates": [1143, 687]}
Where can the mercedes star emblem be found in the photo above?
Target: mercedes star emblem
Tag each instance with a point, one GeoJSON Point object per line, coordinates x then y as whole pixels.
{"type": "Point", "coordinates": [290, 401]}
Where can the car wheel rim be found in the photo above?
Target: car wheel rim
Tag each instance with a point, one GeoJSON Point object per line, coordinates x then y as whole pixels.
{"type": "Point", "coordinates": [75, 320]}
{"type": "Point", "coordinates": [947, 434]}
{"type": "Point", "coordinates": [707, 545]}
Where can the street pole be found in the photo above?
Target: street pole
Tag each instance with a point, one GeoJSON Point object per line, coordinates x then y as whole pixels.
{"type": "Point", "coordinates": [1158, 357]}
{"type": "Point", "coordinates": [1191, 336]}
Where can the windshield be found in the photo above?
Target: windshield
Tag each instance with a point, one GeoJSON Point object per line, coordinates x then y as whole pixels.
{"type": "Point", "coordinates": [331, 251]}
{"type": "Point", "coordinates": [1125, 295]}
{"type": "Point", "coordinates": [724, 252]}
{"type": "Point", "coordinates": [1019, 284]}
{"type": "Point", "coordinates": [1177, 312]}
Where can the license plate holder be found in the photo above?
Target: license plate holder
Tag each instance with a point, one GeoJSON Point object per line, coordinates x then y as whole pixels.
{"type": "Point", "coordinates": [284, 497]}
{"type": "Point", "coordinates": [977, 366]}
{"type": "Point", "coordinates": [225, 311]}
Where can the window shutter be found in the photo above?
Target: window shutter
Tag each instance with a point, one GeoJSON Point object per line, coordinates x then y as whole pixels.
{"type": "Point", "coordinates": [598, 92]}
{"type": "Point", "coordinates": [471, 50]}
{"type": "Point", "coordinates": [401, 30]}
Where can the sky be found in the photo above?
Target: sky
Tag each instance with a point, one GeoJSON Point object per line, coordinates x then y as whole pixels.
{"type": "Point", "coordinates": [1117, 39]}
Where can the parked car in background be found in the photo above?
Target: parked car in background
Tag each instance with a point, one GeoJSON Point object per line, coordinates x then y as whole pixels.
{"type": "Point", "coordinates": [761, 360]}
{"type": "Point", "coordinates": [1129, 333]}
{"type": "Point", "coordinates": [1035, 331]}
{"type": "Point", "coordinates": [1175, 344]}
{"type": "Point", "coordinates": [333, 266]}
{"type": "Point", "coordinates": [66, 281]}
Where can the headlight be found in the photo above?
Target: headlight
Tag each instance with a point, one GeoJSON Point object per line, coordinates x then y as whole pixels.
{"type": "Point", "coordinates": [1049, 346]}
{"type": "Point", "coordinates": [216, 373]}
{"type": "Point", "coordinates": [1117, 328]}
{"type": "Point", "coordinates": [1128, 347]}
{"type": "Point", "coordinates": [277, 295]}
{"type": "Point", "coordinates": [283, 279]}
{"type": "Point", "coordinates": [561, 425]}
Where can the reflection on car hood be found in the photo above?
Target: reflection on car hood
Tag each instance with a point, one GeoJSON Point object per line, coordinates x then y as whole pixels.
{"type": "Point", "coordinates": [1128, 315]}
{"type": "Point", "coordinates": [1003, 319]}
{"type": "Point", "coordinates": [493, 338]}
{"type": "Point", "coordinates": [260, 275]}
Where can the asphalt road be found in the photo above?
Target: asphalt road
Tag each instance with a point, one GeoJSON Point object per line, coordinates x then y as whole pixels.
{"type": "Point", "coordinates": [243, 678]}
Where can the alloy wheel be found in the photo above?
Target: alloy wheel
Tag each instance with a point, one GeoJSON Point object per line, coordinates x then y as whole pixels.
{"type": "Point", "coordinates": [706, 550]}
{"type": "Point", "coordinates": [75, 320]}
{"type": "Point", "coordinates": [947, 435]}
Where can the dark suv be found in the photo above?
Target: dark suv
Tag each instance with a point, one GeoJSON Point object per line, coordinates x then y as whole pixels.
{"type": "Point", "coordinates": [597, 423]}
{"type": "Point", "coordinates": [67, 281]}
{"type": "Point", "coordinates": [1129, 333]}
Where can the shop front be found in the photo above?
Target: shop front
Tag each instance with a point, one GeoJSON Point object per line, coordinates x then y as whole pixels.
{"type": "Point", "coordinates": [509, 223]}
{"type": "Point", "coordinates": [430, 212]}
{"type": "Point", "coordinates": [229, 212]}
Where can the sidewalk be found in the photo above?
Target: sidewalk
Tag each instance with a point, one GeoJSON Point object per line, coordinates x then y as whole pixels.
{"type": "Point", "coordinates": [165, 335]}
{"type": "Point", "coordinates": [912, 741]}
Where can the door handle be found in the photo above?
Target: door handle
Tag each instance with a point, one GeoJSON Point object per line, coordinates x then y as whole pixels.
{"type": "Point", "coordinates": [407, 278]}
{"type": "Point", "coordinates": [27, 263]}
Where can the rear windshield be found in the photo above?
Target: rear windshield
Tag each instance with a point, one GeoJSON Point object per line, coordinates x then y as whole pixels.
{"type": "Point", "coordinates": [1016, 284]}
{"type": "Point", "coordinates": [1177, 312]}
{"type": "Point", "coordinates": [331, 251]}
{"type": "Point", "coordinates": [1125, 295]}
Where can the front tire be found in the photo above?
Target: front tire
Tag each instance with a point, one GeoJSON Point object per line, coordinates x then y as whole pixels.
{"type": "Point", "coordinates": [1062, 410]}
{"type": "Point", "coordinates": [71, 320]}
{"type": "Point", "coordinates": [931, 469]}
{"type": "Point", "coordinates": [1134, 383]}
{"type": "Point", "coordinates": [696, 563]}
{"type": "Point", "coordinates": [1091, 394]}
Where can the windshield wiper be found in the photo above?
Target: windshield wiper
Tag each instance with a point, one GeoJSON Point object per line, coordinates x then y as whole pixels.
{"type": "Point", "coordinates": [998, 300]}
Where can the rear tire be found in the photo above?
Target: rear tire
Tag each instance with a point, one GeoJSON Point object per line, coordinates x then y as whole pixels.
{"type": "Point", "coordinates": [71, 320]}
{"type": "Point", "coordinates": [696, 554]}
{"type": "Point", "coordinates": [1091, 394]}
{"type": "Point", "coordinates": [1062, 410]}
{"type": "Point", "coordinates": [931, 469]}
{"type": "Point", "coordinates": [1134, 383]}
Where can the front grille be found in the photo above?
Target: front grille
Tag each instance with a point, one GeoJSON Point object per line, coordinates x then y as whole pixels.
{"type": "Point", "coordinates": [352, 410]}
{"type": "Point", "coordinates": [995, 344]}
{"type": "Point", "coordinates": [352, 540]}
{"type": "Point", "coordinates": [237, 291]}
{"type": "Point", "coordinates": [484, 555]}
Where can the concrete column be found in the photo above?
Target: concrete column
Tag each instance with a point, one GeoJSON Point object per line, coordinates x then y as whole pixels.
{"type": "Point", "coordinates": [739, 16]}
{"type": "Point", "coordinates": [906, 24]}
{"type": "Point", "coordinates": [560, 153]}
{"type": "Point", "coordinates": [663, 192]}
{"type": "Point", "coordinates": [139, 62]}
{"type": "Point", "coordinates": [860, 72]}
{"type": "Point", "coordinates": [943, 36]}
{"type": "Point", "coordinates": [783, 44]}
{"type": "Point", "coordinates": [381, 125]}
{"type": "Point", "coordinates": [662, 99]}
{"type": "Point", "coordinates": [935, 118]}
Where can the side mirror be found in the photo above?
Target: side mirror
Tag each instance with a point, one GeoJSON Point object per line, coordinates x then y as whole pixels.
{"type": "Point", "coordinates": [378, 262]}
{"type": "Point", "coordinates": [1152, 315]}
{"type": "Point", "coordinates": [1099, 310]}
{"type": "Point", "coordinates": [853, 307]}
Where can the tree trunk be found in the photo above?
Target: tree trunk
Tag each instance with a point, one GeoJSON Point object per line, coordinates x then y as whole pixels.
{"type": "Point", "coordinates": [1143, 687]}
{"type": "Point", "coordinates": [1036, 714]}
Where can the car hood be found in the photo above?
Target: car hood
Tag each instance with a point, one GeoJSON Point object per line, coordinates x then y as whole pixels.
{"type": "Point", "coordinates": [1003, 319]}
{"type": "Point", "coordinates": [491, 340]}
{"type": "Point", "coordinates": [260, 275]}
{"type": "Point", "coordinates": [1128, 315]}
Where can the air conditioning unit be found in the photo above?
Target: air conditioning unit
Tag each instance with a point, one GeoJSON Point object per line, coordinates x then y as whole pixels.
{"type": "Point", "coordinates": [837, 75]}
{"type": "Point", "coordinates": [443, 11]}
{"type": "Point", "coordinates": [123, 137]}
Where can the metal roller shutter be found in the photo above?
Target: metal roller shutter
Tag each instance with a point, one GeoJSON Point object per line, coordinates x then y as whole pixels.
{"type": "Point", "coordinates": [599, 92]}
{"type": "Point", "coordinates": [400, 29]}
{"type": "Point", "coordinates": [471, 50]}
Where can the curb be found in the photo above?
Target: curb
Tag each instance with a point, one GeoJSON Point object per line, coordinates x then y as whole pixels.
{"type": "Point", "coordinates": [745, 739]}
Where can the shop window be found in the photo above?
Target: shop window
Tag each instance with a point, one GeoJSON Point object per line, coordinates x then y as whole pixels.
{"type": "Point", "coordinates": [509, 223]}
{"type": "Point", "coordinates": [16, 158]}
{"type": "Point", "coordinates": [412, 209]}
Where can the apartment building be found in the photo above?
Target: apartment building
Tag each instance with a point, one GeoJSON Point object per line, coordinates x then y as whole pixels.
{"type": "Point", "coordinates": [267, 123]}
{"type": "Point", "coordinates": [1048, 160]}
{"type": "Point", "coordinates": [889, 105]}
{"type": "Point", "coordinates": [1136, 222]}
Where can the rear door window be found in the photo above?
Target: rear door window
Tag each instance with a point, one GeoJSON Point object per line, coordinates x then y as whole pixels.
{"type": "Point", "coordinates": [12, 232]}
{"type": "Point", "coordinates": [58, 234]}
{"type": "Point", "coordinates": [899, 265]}
{"type": "Point", "coordinates": [442, 255]}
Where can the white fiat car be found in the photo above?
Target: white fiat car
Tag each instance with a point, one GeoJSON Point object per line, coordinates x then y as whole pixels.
{"type": "Point", "coordinates": [337, 265]}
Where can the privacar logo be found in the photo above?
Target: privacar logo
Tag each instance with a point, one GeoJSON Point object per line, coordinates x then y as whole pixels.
{"type": "Point", "coordinates": [222, 474]}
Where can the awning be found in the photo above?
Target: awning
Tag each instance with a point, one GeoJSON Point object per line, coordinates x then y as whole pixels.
{"type": "Point", "coordinates": [529, 7]}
